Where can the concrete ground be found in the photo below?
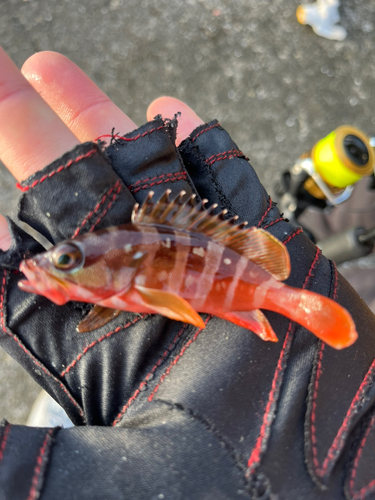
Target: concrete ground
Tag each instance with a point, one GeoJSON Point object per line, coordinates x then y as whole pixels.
{"type": "Point", "coordinates": [273, 84]}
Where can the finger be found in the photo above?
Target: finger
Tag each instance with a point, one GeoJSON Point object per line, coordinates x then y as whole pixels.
{"type": "Point", "coordinates": [80, 104]}
{"type": "Point", "coordinates": [4, 234]}
{"type": "Point", "coordinates": [168, 107]}
{"type": "Point", "coordinates": [31, 134]}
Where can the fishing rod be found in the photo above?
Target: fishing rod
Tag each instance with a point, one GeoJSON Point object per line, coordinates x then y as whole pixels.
{"type": "Point", "coordinates": [324, 177]}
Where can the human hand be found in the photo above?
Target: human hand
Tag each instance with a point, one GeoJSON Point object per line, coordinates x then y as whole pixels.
{"type": "Point", "coordinates": [44, 115]}
{"type": "Point", "coordinates": [51, 106]}
{"type": "Point", "coordinates": [220, 385]}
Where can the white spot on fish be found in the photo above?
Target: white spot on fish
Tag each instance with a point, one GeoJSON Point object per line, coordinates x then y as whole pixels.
{"type": "Point", "coordinates": [190, 281]}
{"type": "Point", "coordinates": [227, 262]}
{"type": "Point", "coordinates": [198, 251]}
{"type": "Point", "coordinates": [128, 248]}
{"type": "Point", "coordinates": [48, 214]}
{"type": "Point", "coordinates": [137, 255]}
{"type": "Point", "coordinates": [166, 243]}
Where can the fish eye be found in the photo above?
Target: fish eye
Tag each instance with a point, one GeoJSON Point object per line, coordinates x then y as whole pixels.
{"type": "Point", "coordinates": [67, 257]}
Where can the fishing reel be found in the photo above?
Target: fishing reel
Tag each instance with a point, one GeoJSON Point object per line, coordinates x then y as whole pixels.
{"type": "Point", "coordinates": [324, 178]}
{"type": "Point", "coordinates": [326, 175]}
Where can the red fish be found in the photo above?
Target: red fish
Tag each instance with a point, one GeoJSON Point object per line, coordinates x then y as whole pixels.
{"type": "Point", "coordinates": [177, 259]}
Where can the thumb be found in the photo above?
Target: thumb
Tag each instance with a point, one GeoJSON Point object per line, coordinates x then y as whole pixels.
{"type": "Point", "coordinates": [168, 107]}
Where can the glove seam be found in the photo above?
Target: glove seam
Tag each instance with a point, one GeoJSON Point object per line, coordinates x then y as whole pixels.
{"type": "Point", "coordinates": [143, 384]}
{"type": "Point", "coordinates": [323, 471]}
{"type": "Point", "coordinates": [41, 465]}
{"type": "Point", "coordinates": [299, 230]}
{"type": "Point", "coordinates": [266, 212]}
{"type": "Point", "coordinates": [225, 155]}
{"type": "Point", "coordinates": [97, 341]}
{"type": "Point", "coordinates": [211, 428]}
{"type": "Point", "coordinates": [274, 222]}
{"type": "Point", "coordinates": [4, 440]}
{"type": "Point", "coordinates": [224, 201]}
{"type": "Point", "coordinates": [318, 469]}
{"type": "Point", "coordinates": [117, 137]}
{"type": "Point", "coordinates": [171, 177]}
{"type": "Point", "coordinates": [360, 494]}
{"type": "Point", "coordinates": [205, 130]}
{"type": "Point", "coordinates": [57, 171]}
{"type": "Point", "coordinates": [117, 187]}
{"type": "Point", "coordinates": [271, 408]}
{"type": "Point", "coordinates": [176, 359]}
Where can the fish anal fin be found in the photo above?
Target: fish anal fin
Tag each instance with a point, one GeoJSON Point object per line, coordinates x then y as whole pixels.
{"type": "Point", "coordinates": [171, 305]}
{"type": "Point", "coordinates": [252, 320]}
{"type": "Point", "coordinates": [97, 317]}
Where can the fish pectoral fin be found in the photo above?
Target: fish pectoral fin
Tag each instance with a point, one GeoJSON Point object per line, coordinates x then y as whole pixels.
{"type": "Point", "coordinates": [253, 320]}
{"type": "Point", "coordinates": [171, 305]}
{"type": "Point", "coordinates": [97, 317]}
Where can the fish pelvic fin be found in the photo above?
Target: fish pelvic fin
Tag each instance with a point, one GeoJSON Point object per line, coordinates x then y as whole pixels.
{"type": "Point", "coordinates": [171, 305]}
{"type": "Point", "coordinates": [97, 317]}
{"type": "Point", "coordinates": [254, 321]}
{"type": "Point", "coordinates": [255, 244]}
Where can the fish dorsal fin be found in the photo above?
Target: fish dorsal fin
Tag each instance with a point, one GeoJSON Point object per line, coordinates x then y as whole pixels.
{"type": "Point", "coordinates": [255, 244]}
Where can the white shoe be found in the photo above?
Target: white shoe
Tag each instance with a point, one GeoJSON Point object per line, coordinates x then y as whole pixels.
{"type": "Point", "coordinates": [47, 413]}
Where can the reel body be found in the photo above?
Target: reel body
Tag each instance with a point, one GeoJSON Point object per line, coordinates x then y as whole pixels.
{"type": "Point", "coordinates": [325, 176]}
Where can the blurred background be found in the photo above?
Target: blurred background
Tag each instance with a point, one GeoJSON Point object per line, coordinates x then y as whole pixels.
{"type": "Point", "coordinates": [274, 84]}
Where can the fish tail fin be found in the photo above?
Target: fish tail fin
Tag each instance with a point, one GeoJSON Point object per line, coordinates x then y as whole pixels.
{"type": "Point", "coordinates": [324, 317]}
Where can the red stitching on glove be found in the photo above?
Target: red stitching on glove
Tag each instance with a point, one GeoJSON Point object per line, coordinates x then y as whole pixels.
{"type": "Point", "coordinates": [116, 186]}
{"type": "Point", "coordinates": [58, 170]}
{"type": "Point", "coordinates": [268, 417]}
{"type": "Point", "coordinates": [361, 494]}
{"type": "Point", "coordinates": [225, 155]}
{"type": "Point", "coordinates": [104, 213]}
{"type": "Point", "coordinates": [334, 296]}
{"type": "Point", "coordinates": [4, 440]}
{"type": "Point", "coordinates": [265, 428]}
{"type": "Point", "coordinates": [38, 467]}
{"type": "Point", "coordinates": [130, 138]}
{"type": "Point", "coordinates": [273, 222]}
{"type": "Point", "coordinates": [143, 384]}
{"type": "Point", "coordinates": [205, 130]}
{"type": "Point", "coordinates": [292, 235]}
{"type": "Point", "coordinates": [266, 212]}
{"type": "Point", "coordinates": [350, 413]}
{"type": "Point", "coordinates": [103, 337]}
{"type": "Point", "coordinates": [178, 176]}
{"type": "Point", "coordinates": [175, 361]}
{"type": "Point", "coordinates": [313, 417]}
{"type": "Point", "coordinates": [35, 361]}
{"type": "Point", "coordinates": [154, 178]}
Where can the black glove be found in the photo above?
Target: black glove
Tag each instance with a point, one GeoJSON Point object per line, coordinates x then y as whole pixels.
{"type": "Point", "coordinates": [184, 413]}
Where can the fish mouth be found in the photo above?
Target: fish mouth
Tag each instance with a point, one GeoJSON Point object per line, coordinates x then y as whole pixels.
{"type": "Point", "coordinates": [41, 282]}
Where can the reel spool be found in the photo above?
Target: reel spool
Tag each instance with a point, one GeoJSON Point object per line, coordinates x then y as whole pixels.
{"type": "Point", "coordinates": [337, 162]}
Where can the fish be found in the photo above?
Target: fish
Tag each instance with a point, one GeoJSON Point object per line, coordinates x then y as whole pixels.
{"type": "Point", "coordinates": [178, 258]}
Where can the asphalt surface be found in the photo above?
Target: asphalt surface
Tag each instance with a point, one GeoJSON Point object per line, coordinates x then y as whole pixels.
{"type": "Point", "coordinates": [272, 83]}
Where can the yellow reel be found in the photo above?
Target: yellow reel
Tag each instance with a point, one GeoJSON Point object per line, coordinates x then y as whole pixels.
{"type": "Point", "coordinates": [341, 159]}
